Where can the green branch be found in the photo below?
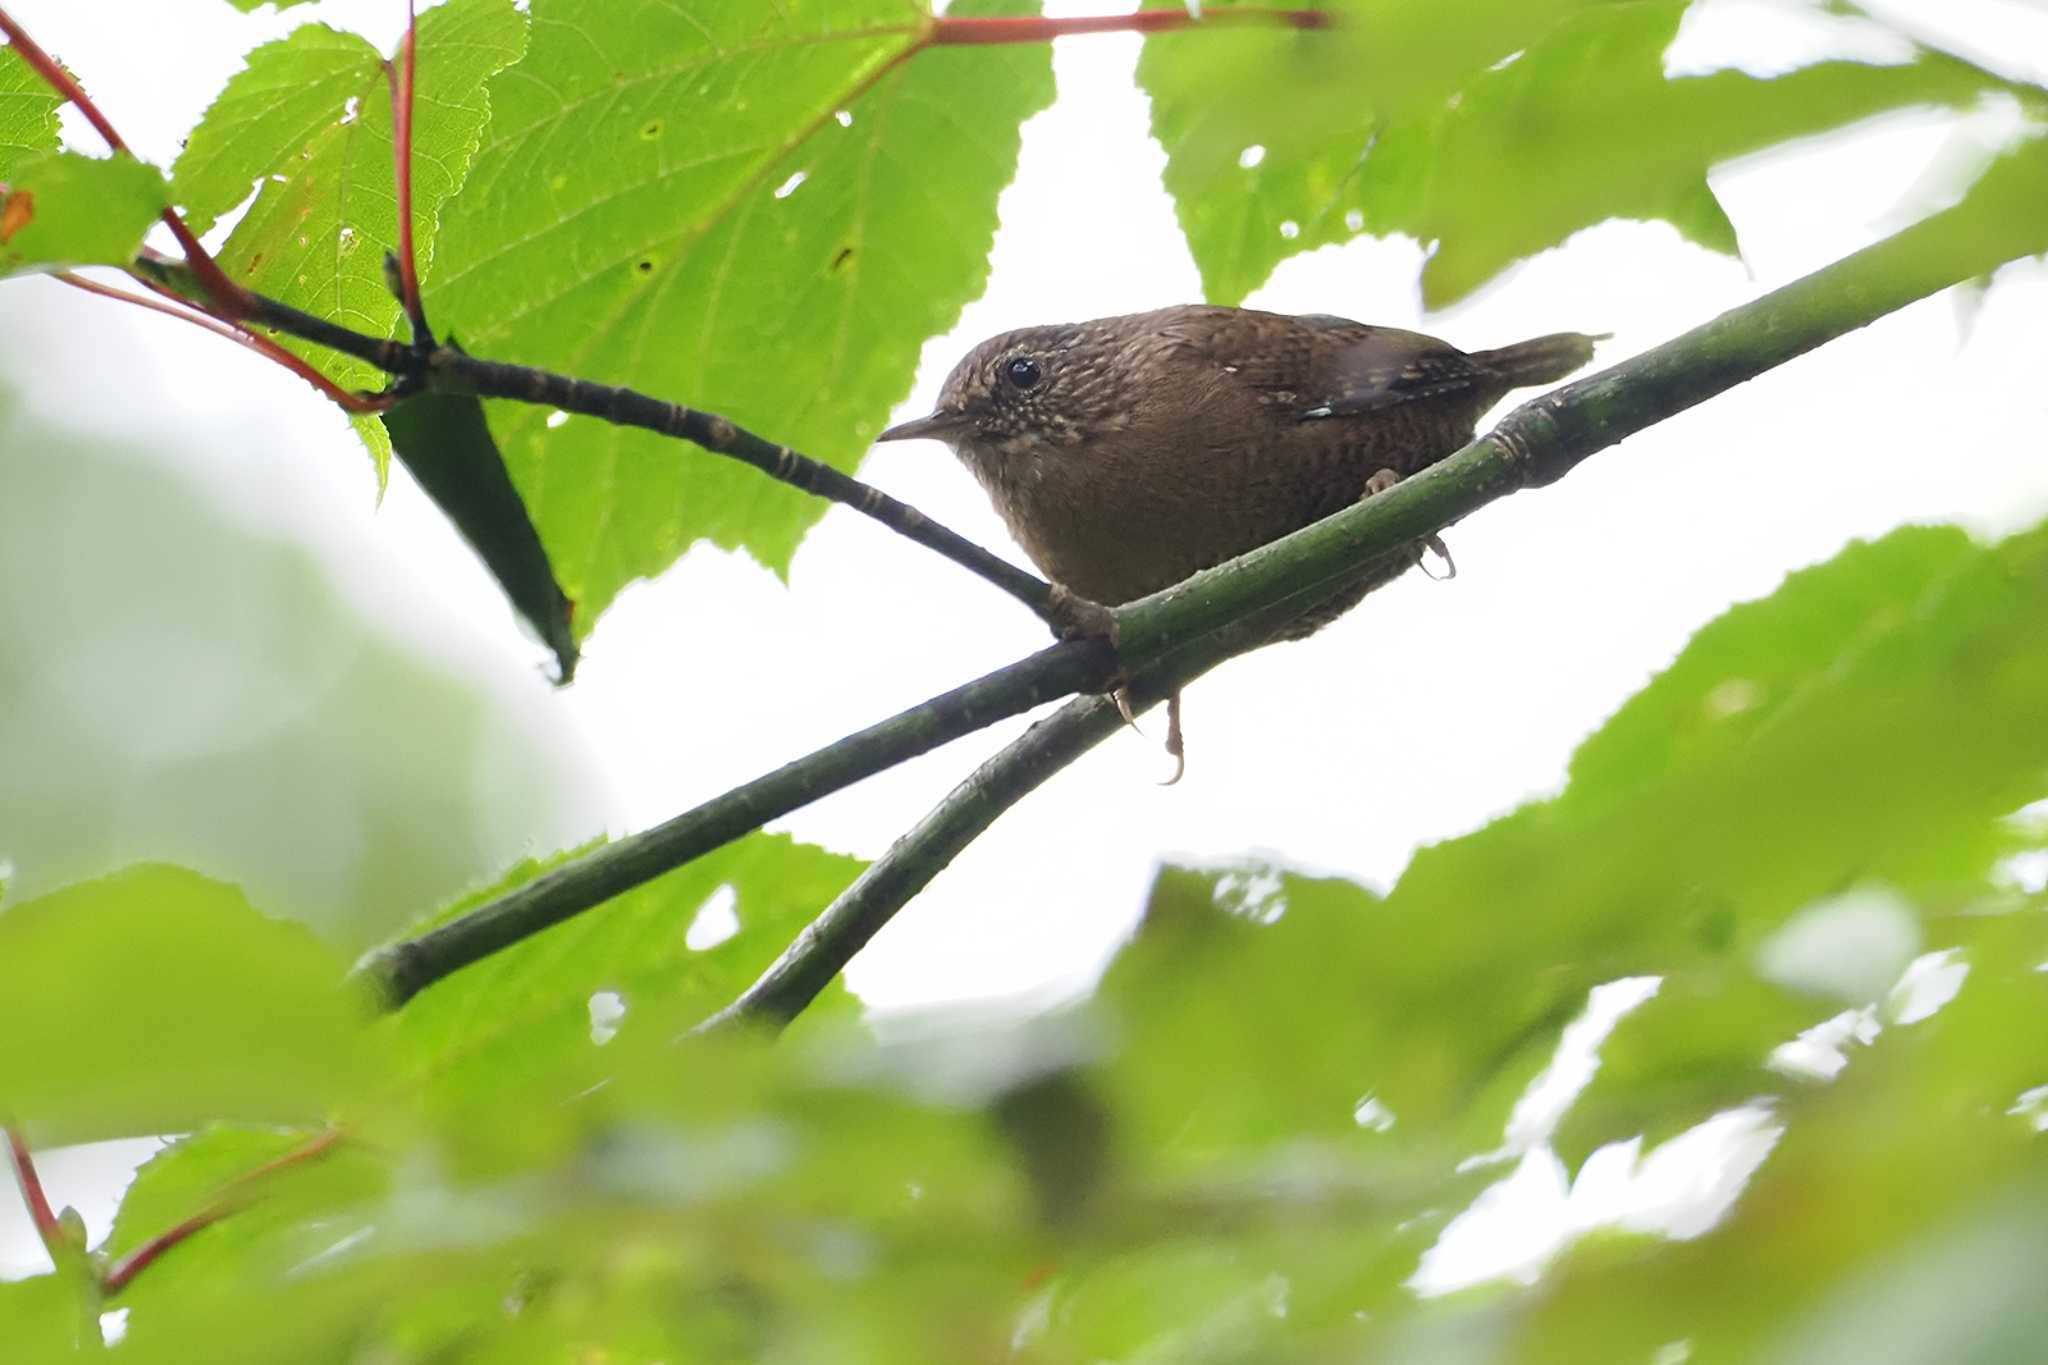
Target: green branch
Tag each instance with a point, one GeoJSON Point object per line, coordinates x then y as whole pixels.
{"type": "Point", "coordinates": [1538, 443]}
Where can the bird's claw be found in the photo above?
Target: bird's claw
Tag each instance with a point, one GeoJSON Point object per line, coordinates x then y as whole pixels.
{"type": "Point", "coordinates": [1435, 545]}
{"type": "Point", "coordinates": [1174, 744]}
{"type": "Point", "coordinates": [1122, 697]}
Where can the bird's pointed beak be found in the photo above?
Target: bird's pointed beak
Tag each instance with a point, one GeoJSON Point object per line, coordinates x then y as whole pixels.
{"type": "Point", "coordinates": [939, 426]}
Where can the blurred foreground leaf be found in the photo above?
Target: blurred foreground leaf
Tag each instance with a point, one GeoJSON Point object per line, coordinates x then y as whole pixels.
{"type": "Point", "coordinates": [541, 1007]}
{"type": "Point", "coordinates": [155, 1000]}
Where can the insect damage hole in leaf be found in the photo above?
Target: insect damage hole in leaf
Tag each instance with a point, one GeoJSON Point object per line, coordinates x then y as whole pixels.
{"type": "Point", "coordinates": [716, 920]}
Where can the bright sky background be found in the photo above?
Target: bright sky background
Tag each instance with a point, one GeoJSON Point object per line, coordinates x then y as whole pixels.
{"type": "Point", "coordinates": [1432, 708]}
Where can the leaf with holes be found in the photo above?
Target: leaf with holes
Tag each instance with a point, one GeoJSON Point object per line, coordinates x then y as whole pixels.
{"type": "Point", "coordinates": [636, 955]}
{"type": "Point", "coordinates": [762, 210]}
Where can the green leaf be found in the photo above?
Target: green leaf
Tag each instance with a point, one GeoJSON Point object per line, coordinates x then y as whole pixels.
{"type": "Point", "coordinates": [1740, 671]}
{"type": "Point", "coordinates": [64, 210]}
{"type": "Point", "coordinates": [49, 1317]}
{"type": "Point", "coordinates": [1906, 1159]}
{"type": "Point", "coordinates": [279, 1196]}
{"type": "Point", "coordinates": [155, 1000]}
{"type": "Point", "coordinates": [637, 217]}
{"type": "Point", "coordinates": [376, 438]}
{"type": "Point", "coordinates": [28, 113]}
{"type": "Point", "coordinates": [533, 1001]}
{"type": "Point", "coordinates": [307, 125]}
{"type": "Point", "coordinates": [1697, 1047]}
{"type": "Point", "coordinates": [1487, 159]}
{"type": "Point", "coordinates": [1892, 756]}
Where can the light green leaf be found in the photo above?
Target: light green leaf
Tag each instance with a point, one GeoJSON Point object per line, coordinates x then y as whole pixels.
{"type": "Point", "coordinates": [155, 1000]}
{"type": "Point", "coordinates": [63, 209]}
{"type": "Point", "coordinates": [1904, 1160]}
{"type": "Point", "coordinates": [28, 113]}
{"type": "Point", "coordinates": [1488, 159]}
{"type": "Point", "coordinates": [762, 210]}
{"type": "Point", "coordinates": [306, 124]}
{"type": "Point", "coordinates": [370, 427]}
{"type": "Point", "coordinates": [49, 1317]}
{"type": "Point", "coordinates": [1901, 731]}
{"type": "Point", "coordinates": [281, 1195]}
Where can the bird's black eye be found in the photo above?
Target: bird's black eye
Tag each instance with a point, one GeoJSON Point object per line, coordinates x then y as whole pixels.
{"type": "Point", "coordinates": [1022, 371]}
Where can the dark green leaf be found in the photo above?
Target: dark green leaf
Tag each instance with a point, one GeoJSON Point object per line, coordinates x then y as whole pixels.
{"type": "Point", "coordinates": [445, 442]}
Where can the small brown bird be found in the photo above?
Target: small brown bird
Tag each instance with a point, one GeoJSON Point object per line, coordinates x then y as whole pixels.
{"type": "Point", "coordinates": [1127, 453]}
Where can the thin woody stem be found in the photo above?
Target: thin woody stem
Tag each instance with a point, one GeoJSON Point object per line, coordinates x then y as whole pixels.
{"type": "Point", "coordinates": [400, 970]}
{"type": "Point", "coordinates": [948, 30]}
{"type": "Point", "coordinates": [39, 1211]}
{"type": "Point", "coordinates": [260, 344]}
{"type": "Point", "coordinates": [824, 947]}
{"type": "Point", "coordinates": [123, 1272]}
{"type": "Point", "coordinates": [404, 80]}
{"type": "Point", "coordinates": [451, 370]}
{"type": "Point", "coordinates": [447, 369]}
{"type": "Point", "coordinates": [119, 1276]}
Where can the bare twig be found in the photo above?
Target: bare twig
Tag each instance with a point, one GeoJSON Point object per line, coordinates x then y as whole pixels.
{"type": "Point", "coordinates": [452, 371]}
{"type": "Point", "coordinates": [829, 942]}
{"type": "Point", "coordinates": [400, 970]}
{"type": "Point", "coordinates": [262, 345]}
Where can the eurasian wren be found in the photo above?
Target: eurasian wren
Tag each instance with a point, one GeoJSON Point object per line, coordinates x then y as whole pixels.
{"type": "Point", "coordinates": [1129, 452]}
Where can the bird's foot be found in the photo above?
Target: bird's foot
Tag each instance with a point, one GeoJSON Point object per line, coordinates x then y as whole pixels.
{"type": "Point", "coordinates": [1380, 483]}
{"type": "Point", "coordinates": [1074, 617]}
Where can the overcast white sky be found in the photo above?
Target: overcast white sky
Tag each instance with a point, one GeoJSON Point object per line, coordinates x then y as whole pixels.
{"type": "Point", "coordinates": [1421, 715]}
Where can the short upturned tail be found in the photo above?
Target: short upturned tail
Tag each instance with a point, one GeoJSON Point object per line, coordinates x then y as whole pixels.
{"type": "Point", "coordinates": [1541, 360]}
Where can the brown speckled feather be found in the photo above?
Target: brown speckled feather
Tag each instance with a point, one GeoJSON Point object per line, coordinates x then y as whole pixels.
{"type": "Point", "coordinates": [1129, 452]}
